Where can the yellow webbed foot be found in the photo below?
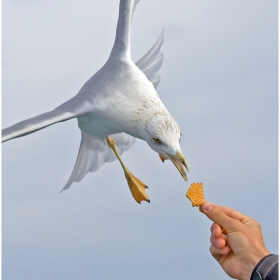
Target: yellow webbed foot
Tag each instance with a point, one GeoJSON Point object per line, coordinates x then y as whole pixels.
{"type": "Point", "coordinates": [137, 187]}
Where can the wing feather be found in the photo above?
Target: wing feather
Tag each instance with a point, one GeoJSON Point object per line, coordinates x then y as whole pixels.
{"type": "Point", "coordinates": [134, 7]}
{"type": "Point", "coordinates": [68, 110]}
{"type": "Point", "coordinates": [94, 152]}
{"type": "Point", "coordinates": [152, 61]}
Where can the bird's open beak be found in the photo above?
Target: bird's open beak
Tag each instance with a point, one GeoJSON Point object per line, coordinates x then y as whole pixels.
{"type": "Point", "coordinates": [178, 160]}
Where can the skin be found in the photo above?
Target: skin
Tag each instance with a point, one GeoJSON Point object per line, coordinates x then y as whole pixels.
{"type": "Point", "coordinates": [236, 240]}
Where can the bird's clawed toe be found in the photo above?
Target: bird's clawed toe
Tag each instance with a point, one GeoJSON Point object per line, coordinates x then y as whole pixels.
{"type": "Point", "coordinates": [137, 187]}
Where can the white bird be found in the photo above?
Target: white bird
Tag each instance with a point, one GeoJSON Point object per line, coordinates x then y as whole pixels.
{"type": "Point", "coordinates": [119, 102]}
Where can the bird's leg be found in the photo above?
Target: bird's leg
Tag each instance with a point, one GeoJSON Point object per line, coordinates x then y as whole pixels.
{"type": "Point", "coordinates": [136, 186]}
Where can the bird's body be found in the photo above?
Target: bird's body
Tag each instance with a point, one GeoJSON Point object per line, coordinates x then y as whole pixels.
{"type": "Point", "coordinates": [122, 111]}
{"type": "Point", "coordinates": [118, 102]}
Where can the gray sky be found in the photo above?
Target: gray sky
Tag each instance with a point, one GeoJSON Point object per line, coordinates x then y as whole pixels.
{"type": "Point", "coordinates": [219, 81]}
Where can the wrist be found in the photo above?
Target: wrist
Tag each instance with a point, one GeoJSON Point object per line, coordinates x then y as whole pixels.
{"type": "Point", "coordinates": [251, 264]}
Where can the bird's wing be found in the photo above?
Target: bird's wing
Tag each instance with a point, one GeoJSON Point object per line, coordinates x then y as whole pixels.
{"type": "Point", "coordinates": [151, 62]}
{"type": "Point", "coordinates": [68, 110]}
{"type": "Point", "coordinates": [134, 7]}
{"type": "Point", "coordinates": [93, 153]}
{"type": "Point", "coordinates": [121, 47]}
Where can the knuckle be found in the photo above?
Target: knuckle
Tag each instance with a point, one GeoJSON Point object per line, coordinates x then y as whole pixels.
{"type": "Point", "coordinates": [235, 224]}
{"type": "Point", "coordinates": [258, 226]}
{"type": "Point", "coordinates": [214, 226]}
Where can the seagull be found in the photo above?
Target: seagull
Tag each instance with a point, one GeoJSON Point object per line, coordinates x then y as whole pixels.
{"type": "Point", "coordinates": [116, 105]}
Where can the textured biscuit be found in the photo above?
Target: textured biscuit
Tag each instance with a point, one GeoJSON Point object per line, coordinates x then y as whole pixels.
{"type": "Point", "coordinates": [195, 194]}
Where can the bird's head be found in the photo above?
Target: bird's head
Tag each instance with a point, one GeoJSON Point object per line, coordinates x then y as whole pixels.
{"type": "Point", "coordinates": [163, 135]}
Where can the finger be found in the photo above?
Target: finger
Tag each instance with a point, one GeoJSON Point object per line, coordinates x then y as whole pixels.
{"type": "Point", "coordinates": [217, 215]}
{"type": "Point", "coordinates": [218, 242]}
{"type": "Point", "coordinates": [234, 214]}
{"type": "Point", "coordinates": [217, 253]}
{"type": "Point", "coordinates": [216, 230]}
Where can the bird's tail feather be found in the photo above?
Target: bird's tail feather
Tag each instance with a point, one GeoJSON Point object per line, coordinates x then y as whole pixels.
{"type": "Point", "coordinates": [94, 152]}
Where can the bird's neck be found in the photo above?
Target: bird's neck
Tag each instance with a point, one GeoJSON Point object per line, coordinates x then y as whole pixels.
{"type": "Point", "coordinates": [121, 47]}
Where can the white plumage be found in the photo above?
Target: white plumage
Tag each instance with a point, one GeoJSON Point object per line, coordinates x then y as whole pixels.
{"type": "Point", "coordinates": [119, 102]}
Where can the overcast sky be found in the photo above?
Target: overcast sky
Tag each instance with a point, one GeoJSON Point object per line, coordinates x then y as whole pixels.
{"type": "Point", "coordinates": [219, 81]}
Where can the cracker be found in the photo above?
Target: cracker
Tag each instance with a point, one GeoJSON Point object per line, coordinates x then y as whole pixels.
{"type": "Point", "coordinates": [195, 194]}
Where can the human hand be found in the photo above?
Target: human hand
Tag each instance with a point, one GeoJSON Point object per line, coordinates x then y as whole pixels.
{"type": "Point", "coordinates": [237, 241]}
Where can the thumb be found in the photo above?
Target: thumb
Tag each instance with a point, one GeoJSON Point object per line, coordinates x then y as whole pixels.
{"type": "Point", "coordinates": [218, 216]}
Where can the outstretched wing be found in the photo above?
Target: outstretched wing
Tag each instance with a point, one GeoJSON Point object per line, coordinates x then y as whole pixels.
{"type": "Point", "coordinates": [151, 62]}
{"type": "Point", "coordinates": [68, 110]}
{"type": "Point", "coordinates": [93, 153]}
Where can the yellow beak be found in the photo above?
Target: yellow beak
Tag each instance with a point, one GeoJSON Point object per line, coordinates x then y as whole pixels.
{"type": "Point", "coordinates": [179, 160]}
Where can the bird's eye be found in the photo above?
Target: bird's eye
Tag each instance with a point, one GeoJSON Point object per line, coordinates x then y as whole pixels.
{"type": "Point", "coordinates": [157, 140]}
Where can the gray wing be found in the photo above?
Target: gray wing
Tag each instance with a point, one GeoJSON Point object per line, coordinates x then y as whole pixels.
{"type": "Point", "coordinates": [68, 110]}
{"type": "Point", "coordinates": [151, 62]}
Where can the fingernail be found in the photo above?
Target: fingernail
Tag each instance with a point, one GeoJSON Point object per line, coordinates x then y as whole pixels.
{"type": "Point", "coordinates": [207, 206]}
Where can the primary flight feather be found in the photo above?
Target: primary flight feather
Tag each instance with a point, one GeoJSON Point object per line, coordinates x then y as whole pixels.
{"type": "Point", "coordinates": [119, 102]}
